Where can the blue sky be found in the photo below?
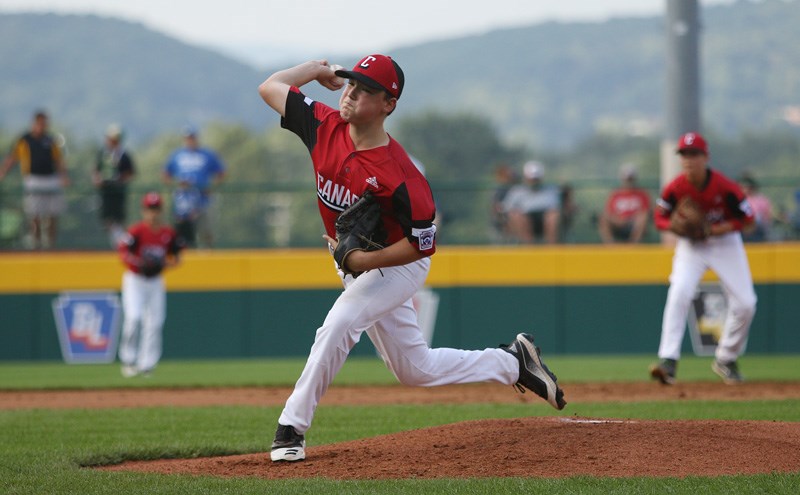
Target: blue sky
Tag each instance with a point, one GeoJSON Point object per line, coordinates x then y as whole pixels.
{"type": "Point", "coordinates": [312, 27]}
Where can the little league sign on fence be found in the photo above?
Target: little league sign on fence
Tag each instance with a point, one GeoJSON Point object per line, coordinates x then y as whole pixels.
{"type": "Point", "coordinates": [87, 325]}
{"type": "Point", "coordinates": [707, 318]}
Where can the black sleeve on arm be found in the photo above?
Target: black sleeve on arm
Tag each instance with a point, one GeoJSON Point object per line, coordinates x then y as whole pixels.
{"type": "Point", "coordinates": [176, 245]}
{"type": "Point", "coordinates": [133, 243]}
{"type": "Point", "coordinates": [415, 210]}
{"type": "Point", "coordinates": [734, 205]}
{"type": "Point", "coordinates": [300, 118]}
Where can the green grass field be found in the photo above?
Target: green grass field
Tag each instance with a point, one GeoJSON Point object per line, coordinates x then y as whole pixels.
{"type": "Point", "coordinates": [44, 451]}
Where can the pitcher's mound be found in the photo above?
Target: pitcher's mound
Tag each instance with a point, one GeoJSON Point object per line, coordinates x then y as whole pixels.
{"type": "Point", "coordinates": [528, 447]}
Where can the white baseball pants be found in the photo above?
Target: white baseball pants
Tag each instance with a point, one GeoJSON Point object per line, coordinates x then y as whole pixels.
{"type": "Point", "coordinates": [379, 302]}
{"type": "Point", "coordinates": [725, 255]}
{"type": "Point", "coordinates": [144, 303]}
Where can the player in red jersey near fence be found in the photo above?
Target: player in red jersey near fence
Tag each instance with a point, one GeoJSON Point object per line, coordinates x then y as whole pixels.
{"type": "Point", "coordinates": [718, 246]}
{"type": "Point", "coordinates": [146, 249]}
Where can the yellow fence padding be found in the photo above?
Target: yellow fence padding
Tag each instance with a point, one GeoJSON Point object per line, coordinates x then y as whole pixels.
{"type": "Point", "coordinates": [236, 270]}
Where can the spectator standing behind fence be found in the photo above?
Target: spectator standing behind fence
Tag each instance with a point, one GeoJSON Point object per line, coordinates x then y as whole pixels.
{"type": "Point", "coordinates": [627, 211]}
{"type": "Point", "coordinates": [186, 207]}
{"type": "Point", "coordinates": [44, 177]}
{"type": "Point", "coordinates": [113, 171]}
{"type": "Point", "coordinates": [762, 209]}
{"type": "Point", "coordinates": [533, 208]}
{"type": "Point", "coordinates": [202, 169]}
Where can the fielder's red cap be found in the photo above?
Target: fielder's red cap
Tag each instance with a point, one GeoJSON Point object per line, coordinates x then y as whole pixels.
{"type": "Point", "coordinates": [378, 72]}
{"type": "Point", "coordinates": [151, 200]}
{"type": "Point", "coordinates": [692, 141]}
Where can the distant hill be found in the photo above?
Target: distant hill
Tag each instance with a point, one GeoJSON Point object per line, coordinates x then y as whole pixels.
{"type": "Point", "coordinates": [553, 83]}
{"type": "Point", "coordinates": [88, 71]}
{"type": "Point", "coordinates": [546, 85]}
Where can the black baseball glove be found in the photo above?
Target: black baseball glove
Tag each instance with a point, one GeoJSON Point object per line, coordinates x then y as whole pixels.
{"type": "Point", "coordinates": [358, 227]}
{"type": "Point", "coordinates": [151, 264]}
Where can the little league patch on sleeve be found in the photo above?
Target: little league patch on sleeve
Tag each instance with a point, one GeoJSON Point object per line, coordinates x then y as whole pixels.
{"type": "Point", "coordinates": [425, 236]}
{"type": "Point", "coordinates": [87, 325]}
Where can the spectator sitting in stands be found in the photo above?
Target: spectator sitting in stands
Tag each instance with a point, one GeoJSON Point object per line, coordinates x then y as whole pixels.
{"type": "Point", "coordinates": [762, 208]}
{"type": "Point", "coordinates": [505, 179]}
{"type": "Point", "coordinates": [627, 210]}
{"type": "Point", "coordinates": [533, 208]}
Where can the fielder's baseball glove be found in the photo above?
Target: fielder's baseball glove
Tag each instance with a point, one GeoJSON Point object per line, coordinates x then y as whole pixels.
{"type": "Point", "coordinates": [689, 220]}
{"type": "Point", "coordinates": [151, 264]}
{"type": "Point", "coordinates": [358, 228]}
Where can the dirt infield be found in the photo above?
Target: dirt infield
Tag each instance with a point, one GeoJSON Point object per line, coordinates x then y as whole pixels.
{"type": "Point", "coordinates": [527, 447]}
{"type": "Point", "coordinates": [396, 394]}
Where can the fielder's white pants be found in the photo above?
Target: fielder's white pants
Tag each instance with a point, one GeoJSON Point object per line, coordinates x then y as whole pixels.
{"type": "Point", "coordinates": [379, 302]}
{"type": "Point", "coordinates": [144, 304]}
{"type": "Point", "coordinates": [725, 255]}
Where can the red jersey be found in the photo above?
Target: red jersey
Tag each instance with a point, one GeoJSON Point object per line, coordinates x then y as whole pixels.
{"type": "Point", "coordinates": [141, 238]}
{"type": "Point", "coordinates": [343, 174]}
{"type": "Point", "coordinates": [721, 198]}
{"type": "Point", "coordinates": [625, 203]}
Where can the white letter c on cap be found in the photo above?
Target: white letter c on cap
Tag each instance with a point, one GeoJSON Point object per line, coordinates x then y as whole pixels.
{"type": "Point", "coordinates": [365, 63]}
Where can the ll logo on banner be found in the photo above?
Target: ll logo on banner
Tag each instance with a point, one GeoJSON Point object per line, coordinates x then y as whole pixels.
{"type": "Point", "coordinates": [87, 325]}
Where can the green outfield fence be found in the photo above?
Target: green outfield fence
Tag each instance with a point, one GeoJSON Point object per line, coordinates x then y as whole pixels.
{"type": "Point", "coordinates": [228, 303]}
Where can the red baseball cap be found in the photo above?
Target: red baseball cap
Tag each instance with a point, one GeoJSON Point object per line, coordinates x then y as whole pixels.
{"type": "Point", "coordinates": [378, 72]}
{"type": "Point", "coordinates": [151, 200]}
{"type": "Point", "coordinates": [692, 141]}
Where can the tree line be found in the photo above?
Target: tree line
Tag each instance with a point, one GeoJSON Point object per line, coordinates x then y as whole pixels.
{"type": "Point", "coordinates": [268, 198]}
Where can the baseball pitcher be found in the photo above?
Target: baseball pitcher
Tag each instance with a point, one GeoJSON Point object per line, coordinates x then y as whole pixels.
{"type": "Point", "coordinates": [378, 211]}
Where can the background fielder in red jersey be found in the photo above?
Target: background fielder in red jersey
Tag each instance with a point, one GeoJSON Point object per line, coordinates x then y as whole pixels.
{"type": "Point", "coordinates": [352, 153]}
{"type": "Point", "coordinates": [147, 248]}
{"type": "Point", "coordinates": [727, 212]}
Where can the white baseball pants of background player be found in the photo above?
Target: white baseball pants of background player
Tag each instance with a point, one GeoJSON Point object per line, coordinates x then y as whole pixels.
{"type": "Point", "coordinates": [379, 302]}
{"type": "Point", "coordinates": [725, 255]}
{"type": "Point", "coordinates": [144, 303]}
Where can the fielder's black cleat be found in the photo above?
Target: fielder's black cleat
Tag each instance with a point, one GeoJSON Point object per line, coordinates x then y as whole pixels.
{"type": "Point", "coordinates": [664, 371]}
{"type": "Point", "coordinates": [533, 373]}
{"type": "Point", "coordinates": [288, 445]}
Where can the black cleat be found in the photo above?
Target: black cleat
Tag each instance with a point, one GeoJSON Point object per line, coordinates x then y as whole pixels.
{"type": "Point", "coordinates": [288, 445]}
{"type": "Point", "coordinates": [533, 373]}
{"type": "Point", "coordinates": [664, 371]}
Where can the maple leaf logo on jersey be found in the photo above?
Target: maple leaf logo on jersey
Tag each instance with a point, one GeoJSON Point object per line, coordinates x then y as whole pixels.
{"type": "Point", "coordinates": [372, 181]}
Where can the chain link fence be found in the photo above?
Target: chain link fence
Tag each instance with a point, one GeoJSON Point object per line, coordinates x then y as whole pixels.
{"type": "Point", "coordinates": [255, 216]}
